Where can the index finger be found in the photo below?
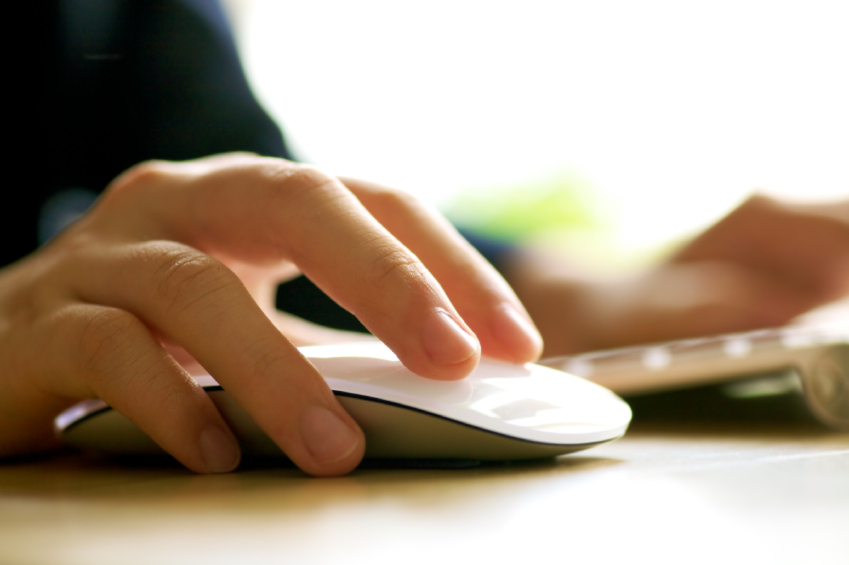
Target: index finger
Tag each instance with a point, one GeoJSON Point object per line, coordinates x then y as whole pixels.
{"type": "Point", "coordinates": [267, 210]}
{"type": "Point", "coordinates": [482, 297]}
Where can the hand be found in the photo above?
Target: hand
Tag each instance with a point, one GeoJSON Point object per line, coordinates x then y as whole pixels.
{"type": "Point", "coordinates": [762, 265]}
{"type": "Point", "coordinates": [177, 262]}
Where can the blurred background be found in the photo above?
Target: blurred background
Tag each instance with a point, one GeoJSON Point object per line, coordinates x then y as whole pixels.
{"type": "Point", "coordinates": [606, 131]}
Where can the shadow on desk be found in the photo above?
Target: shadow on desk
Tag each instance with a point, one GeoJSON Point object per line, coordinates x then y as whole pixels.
{"type": "Point", "coordinates": [697, 416]}
{"type": "Point", "coordinates": [81, 475]}
{"type": "Point", "coordinates": [154, 480]}
{"type": "Point", "coordinates": [739, 492]}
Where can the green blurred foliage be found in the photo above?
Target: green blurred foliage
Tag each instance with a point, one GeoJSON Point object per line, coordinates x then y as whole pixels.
{"type": "Point", "coordinates": [562, 201]}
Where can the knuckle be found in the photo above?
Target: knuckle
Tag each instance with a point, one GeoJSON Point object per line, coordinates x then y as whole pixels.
{"type": "Point", "coordinates": [759, 204]}
{"type": "Point", "coordinates": [300, 197]}
{"type": "Point", "coordinates": [183, 275]}
{"type": "Point", "coordinates": [263, 357]}
{"type": "Point", "coordinates": [296, 184]}
{"type": "Point", "coordinates": [74, 246]}
{"type": "Point", "coordinates": [137, 176]}
{"type": "Point", "coordinates": [394, 202]}
{"type": "Point", "coordinates": [393, 265]}
{"type": "Point", "coordinates": [106, 340]}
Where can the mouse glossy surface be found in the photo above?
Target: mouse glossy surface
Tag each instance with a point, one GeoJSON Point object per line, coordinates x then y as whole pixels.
{"type": "Point", "coordinates": [501, 411]}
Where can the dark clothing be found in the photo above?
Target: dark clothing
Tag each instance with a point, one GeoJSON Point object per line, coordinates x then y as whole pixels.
{"type": "Point", "coordinates": [120, 82]}
{"type": "Point", "coordinates": [123, 82]}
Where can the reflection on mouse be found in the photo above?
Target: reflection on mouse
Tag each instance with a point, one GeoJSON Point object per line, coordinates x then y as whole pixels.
{"type": "Point", "coordinates": [502, 411]}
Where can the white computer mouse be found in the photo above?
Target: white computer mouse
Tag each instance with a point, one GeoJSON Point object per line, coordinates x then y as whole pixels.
{"type": "Point", "coordinates": [502, 411]}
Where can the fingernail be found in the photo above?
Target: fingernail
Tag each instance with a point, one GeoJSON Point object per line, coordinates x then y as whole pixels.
{"type": "Point", "coordinates": [219, 450]}
{"type": "Point", "coordinates": [445, 341]}
{"type": "Point", "coordinates": [513, 330]}
{"type": "Point", "coordinates": [326, 436]}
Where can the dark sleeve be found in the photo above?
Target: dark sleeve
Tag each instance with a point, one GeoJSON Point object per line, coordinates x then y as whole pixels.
{"type": "Point", "coordinates": [495, 251]}
{"type": "Point", "coordinates": [116, 83]}
{"type": "Point", "coordinates": [121, 82]}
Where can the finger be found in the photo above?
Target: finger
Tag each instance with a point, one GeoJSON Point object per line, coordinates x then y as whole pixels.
{"type": "Point", "coordinates": [200, 304]}
{"type": "Point", "coordinates": [693, 299]}
{"type": "Point", "coordinates": [811, 250]}
{"type": "Point", "coordinates": [110, 354]}
{"type": "Point", "coordinates": [300, 332]}
{"type": "Point", "coordinates": [269, 210]}
{"type": "Point", "coordinates": [713, 297]}
{"type": "Point", "coordinates": [800, 245]}
{"type": "Point", "coordinates": [482, 297]}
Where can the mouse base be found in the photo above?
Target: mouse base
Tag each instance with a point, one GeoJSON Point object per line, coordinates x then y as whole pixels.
{"type": "Point", "coordinates": [392, 432]}
{"type": "Point", "coordinates": [418, 435]}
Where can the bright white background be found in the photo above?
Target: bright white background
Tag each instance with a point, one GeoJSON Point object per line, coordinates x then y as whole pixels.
{"type": "Point", "coordinates": [672, 110]}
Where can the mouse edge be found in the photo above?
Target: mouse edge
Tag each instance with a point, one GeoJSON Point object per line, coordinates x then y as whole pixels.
{"type": "Point", "coordinates": [613, 433]}
{"type": "Point", "coordinates": [87, 409]}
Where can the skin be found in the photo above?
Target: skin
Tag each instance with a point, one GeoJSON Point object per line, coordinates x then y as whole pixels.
{"type": "Point", "coordinates": [173, 272]}
{"type": "Point", "coordinates": [761, 266]}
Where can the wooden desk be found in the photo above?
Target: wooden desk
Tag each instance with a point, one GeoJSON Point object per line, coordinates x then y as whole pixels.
{"type": "Point", "coordinates": [666, 493]}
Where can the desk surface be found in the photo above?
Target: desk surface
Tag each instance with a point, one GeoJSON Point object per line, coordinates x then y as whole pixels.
{"type": "Point", "coordinates": [666, 493]}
